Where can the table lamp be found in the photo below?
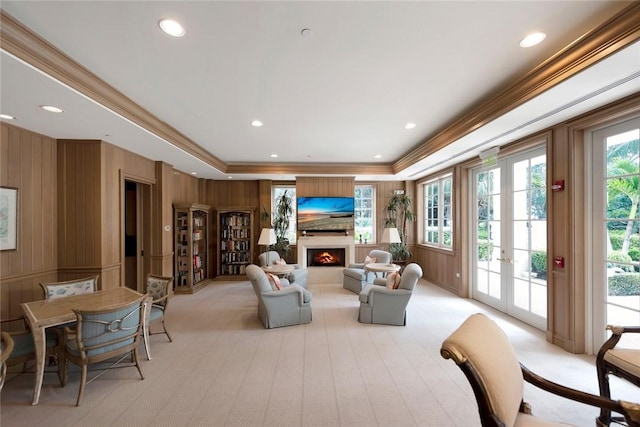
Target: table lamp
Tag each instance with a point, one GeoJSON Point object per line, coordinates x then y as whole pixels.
{"type": "Point", "coordinates": [267, 238]}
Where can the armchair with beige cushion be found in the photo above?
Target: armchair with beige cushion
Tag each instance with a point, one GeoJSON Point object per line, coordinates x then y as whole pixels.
{"type": "Point", "coordinates": [290, 305]}
{"type": "Point", "coordinates": [298, 275]}
{"type": "Point", "coordinates": [484, 354]}
{"type": "Point", "coordinates": [356, 278]}
{"type": "Point", "coordinates": [622, 361]}
{"type": "Point", "coordinates": [388, 305]}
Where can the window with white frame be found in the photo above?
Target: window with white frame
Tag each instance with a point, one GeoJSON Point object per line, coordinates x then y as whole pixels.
{"type": "Point", "coordinates": [437, 212]}
{"type": "Point", "coordinates": [277, 191]}
{"type": "Point", "coordinates": [365, 208]}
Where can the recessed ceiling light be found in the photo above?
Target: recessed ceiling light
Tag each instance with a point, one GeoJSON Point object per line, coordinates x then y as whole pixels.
{"type": "Point", "coordinates": [7, 117]}
{"type": "Point", "coordinates": [409, 125]}
{"type": "Point", "coordinates": [256, 123]}
{"type": "Point", "coordinates": [51, 109]}
{"type": "Point", "coordinates": [306, 32]}
{"type": "Point", "coordinates": [229, 177]}
{"type": "Point", "coordinates": [378, 156]}
{"type": "Point", "coordinates": [532, 39]}
{"type": "Point", "coordinates": [274, 155]}
{"type": "Point", "coordinates": [171, 27]}
{"type": "Point", "coordinates": [194, 173]}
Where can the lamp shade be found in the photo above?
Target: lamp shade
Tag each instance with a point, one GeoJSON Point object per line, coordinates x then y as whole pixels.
{"type": "Point", "coordinates": [391, 235]}
{"type": "Point", "coordinates": [267, 237]}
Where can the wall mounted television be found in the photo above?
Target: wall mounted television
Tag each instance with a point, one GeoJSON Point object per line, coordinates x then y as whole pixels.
{"type": "Point", "coordinates": [325, 214]}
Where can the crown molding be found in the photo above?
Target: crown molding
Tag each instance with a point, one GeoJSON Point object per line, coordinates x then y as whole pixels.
{"type": "Point", "coordinates": [617, 33]}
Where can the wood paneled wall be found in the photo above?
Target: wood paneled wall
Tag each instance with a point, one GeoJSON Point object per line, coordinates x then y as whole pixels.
{"type": "Point", "coordinates": [325, 186]}
{"type": "Point", "coordinates": [28, 162]}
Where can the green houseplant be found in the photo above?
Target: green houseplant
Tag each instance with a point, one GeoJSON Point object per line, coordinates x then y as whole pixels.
{"type": "Point", "coordinates": [399, 213]}
{"type": "Point", "coordinates": [281, 217]}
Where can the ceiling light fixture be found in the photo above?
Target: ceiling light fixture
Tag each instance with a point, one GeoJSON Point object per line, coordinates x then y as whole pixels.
{"type": "Point", "coordinates": [532, 39]}
{"type": "Point", "coordinates": [377, 156]}
{"type": "Point", "coordinates": [256, 123]}
{"type": "Point", "coordinates": [194, 173]}
{"type": "Point", "coordinates": [171, 27]}
{"type": "Point", "coordinates": [274, 155]}
{"type": "Point", "coordinates": [51, 109]}
{"type": "Point", "coordinates": [410, 126]}
{"type": "Point", "coordinates": [6, 117]}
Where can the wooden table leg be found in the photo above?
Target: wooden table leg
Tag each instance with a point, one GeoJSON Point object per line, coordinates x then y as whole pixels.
{"type": "Point", "coordinates": [39, 341]}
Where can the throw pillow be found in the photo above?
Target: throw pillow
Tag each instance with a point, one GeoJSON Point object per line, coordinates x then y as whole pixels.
{"type": "Point", "coordinates": [393, 280]}
{"type": "Point", "coordinates": [276, 285]}
{"type": "Point", "coordinates": [281, 261]}
{"type": "Point", "coordinates": [369, 260]}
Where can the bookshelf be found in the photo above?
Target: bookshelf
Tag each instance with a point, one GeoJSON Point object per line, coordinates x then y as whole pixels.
{"type": "Point", "coordinates": [191, 247]}
{"type": "Point", "coordinates": [235, 242]}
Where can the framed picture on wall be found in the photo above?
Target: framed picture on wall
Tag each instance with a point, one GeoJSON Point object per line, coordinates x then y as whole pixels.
{"type": "Point", "coordinates": [8, 218]}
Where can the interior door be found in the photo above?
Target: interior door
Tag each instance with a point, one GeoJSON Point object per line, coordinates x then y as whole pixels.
{"type": "Point", "coordinates": [509, 270]}
{"type": "Point", "coordinates": [615, 227]}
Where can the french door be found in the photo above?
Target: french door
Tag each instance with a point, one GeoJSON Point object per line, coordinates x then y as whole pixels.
{"type": "Point", "coordinates": [509, 250]}
{"type": "Point", "coordinates": [615, 225]}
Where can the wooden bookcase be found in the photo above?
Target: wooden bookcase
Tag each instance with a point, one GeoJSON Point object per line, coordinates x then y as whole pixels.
{"type": "Point", "coordinates": [235, 241]}
{"type": "Point", "coordinates": [191, 225]}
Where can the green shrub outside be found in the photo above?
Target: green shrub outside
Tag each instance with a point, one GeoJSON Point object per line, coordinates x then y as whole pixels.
{"type": "Point", "coordinates": [620, 257]}
{"type": "Point", "coordinates": [624, 284]}
{"type": "Point", "coordinates": [539, 264]}
{"type": "Point", "coordinates": [485, 250]}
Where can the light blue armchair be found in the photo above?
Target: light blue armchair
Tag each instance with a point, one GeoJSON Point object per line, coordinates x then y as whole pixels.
{"type": "Point", "coordinates": [298, 275]}
{"type": "Point", "coordinates": [288, 306]}
{"type": "Point", "coordinates": [355, 278]}
{"type": "Point", "coordinates": [379, 304]}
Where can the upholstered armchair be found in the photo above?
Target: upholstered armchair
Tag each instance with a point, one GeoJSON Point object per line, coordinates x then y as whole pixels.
{"type": "Point", "coordinates": [291, 305]}
{"type": "Point", "coordinates": [355, 278]}
{"type": "Point", "coordinates": [484, 354]}
{"type": "Point", "coordinates": [388, 306]}
{"type": "Point", "coordinates": [101, 335]}
{"type": "Point", "coordinates": [619, 361]}
{"type": "Point", "coordinates": [68, 288]}
{"type": "Point", "coordinates": [298, 275]}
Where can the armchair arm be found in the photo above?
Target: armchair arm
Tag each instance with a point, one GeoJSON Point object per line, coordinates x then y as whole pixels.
{"type": "Point", "coordinates": [357, 265]}
{"type": "Point", "coordinates": [616, 335]}
{"type": "Point", "coordinates": [631, 411]}
{"type": "Point", "coordinates": [25, 325]}
{"type": "Point", "coordinates": [291, 291]}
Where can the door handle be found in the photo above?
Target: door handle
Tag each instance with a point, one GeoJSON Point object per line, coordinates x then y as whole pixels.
{"type": "Point", "coordinates": [505, 260]}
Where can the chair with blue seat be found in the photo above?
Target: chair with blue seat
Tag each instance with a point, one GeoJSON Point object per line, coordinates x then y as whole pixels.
{"type": "Point", "coordinates": [290, 305]}
{"type": "Point", "coordinates": [84, 285]}
{"type": "Point", "coordinates": [159, 290]}
{"type": "Point", "coordinates": [24, 350]}
{"type": "Point", "coordinates": [104, 334]}
{"type": "Point", "coordinates": [6, 348]}
{"type": "Point", "coordinates": [356, 277]}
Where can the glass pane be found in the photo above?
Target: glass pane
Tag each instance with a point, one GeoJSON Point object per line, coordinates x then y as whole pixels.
{"type": "Point", "coordinates": [521, 175]}
{"type": "Point", "coordinates": [520, 205]}
{"type": "Point", "coordinates": [622, 153]}
{"type": "Point", "coordinates": [521, 234]}
{"type": "Point", "coordinates": [494, 285]}
{"type": "Point", "coordinates": [538, 235]}
{"type": "Point", "coordinates": [539, 298]}
{"type": "Point", "coordinates": [521, 294]}
{"type": "Point", "coordinates": [483, 280]}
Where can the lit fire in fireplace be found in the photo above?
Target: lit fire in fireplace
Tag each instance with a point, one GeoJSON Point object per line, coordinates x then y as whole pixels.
{"type": "Point", "coordinates": [325, 257]}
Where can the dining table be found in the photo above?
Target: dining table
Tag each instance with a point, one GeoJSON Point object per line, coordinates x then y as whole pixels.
{"type": "Point", "coordinates": [48, 313]}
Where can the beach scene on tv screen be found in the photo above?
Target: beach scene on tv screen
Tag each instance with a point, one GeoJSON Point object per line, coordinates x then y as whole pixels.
{"type": "Point", "coordinates": [325, 213]}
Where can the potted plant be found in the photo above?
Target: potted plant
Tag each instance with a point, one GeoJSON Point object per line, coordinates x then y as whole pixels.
{"type": "Point", "coordinates": [399, 213]}
{"type": "Point", "coordinates": [281, 217]}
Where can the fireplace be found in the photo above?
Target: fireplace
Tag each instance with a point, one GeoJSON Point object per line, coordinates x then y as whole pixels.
{"type": "Point", "coordinates": [326, 274]}
{"type": "Point", "coordinates": [325, 257]}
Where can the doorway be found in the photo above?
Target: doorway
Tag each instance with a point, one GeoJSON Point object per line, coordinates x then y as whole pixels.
{"type": "Point", "coordinates": [137, 202]}
{"type": "Point", "coordinates": [509, 230]}
{"type": "Point", "coordinates": [615, 225]}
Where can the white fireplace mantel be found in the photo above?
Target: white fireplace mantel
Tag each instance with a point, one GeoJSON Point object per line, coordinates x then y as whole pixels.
{"type": "Point", "coordinates": [326, 274]}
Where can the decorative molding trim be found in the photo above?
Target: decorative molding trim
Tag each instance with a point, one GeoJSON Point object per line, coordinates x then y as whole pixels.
{"type": "Point", "coordinates": [617, 33]}
{"type": "Point", "coordinates": [19, 41]}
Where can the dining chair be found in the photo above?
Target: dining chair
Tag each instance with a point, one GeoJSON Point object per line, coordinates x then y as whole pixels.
{"type": "Point", "coordinates": [6, 348]}
{"type": "Point", "coordinates": [24, 350]}
{"type": "Point", "coordinates": [159, 289]}
{"type": "Point", "coordinates": [618, 361]}
{"type": "Point", "coordinates": [484, 354]}
{"type": "Point", "coordinates": [101, 335]}
{"type": "Point", "coordinates": [68, 288]}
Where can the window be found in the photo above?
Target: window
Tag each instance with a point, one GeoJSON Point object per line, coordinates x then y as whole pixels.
{"type": "Point", "coordinates": [364, 206]}
{"type": "Point", "coordinates": [277, 191]}
{"type": "Point", "coordinates": [437, 212]}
